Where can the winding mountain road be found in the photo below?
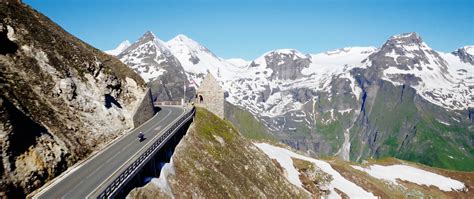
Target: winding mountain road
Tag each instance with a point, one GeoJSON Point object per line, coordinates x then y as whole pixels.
{"type": "Point", "coordinates": [99, 170]}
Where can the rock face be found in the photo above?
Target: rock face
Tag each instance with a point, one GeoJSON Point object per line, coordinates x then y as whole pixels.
{"type": "Point", "coordinates": [286, 64]}
{"type": "Point", "coordinates": [145, 110]}
{"type": "Point", "coordinates": [60, 99]}
{"type": "Point", "coordinates": [214, 161]}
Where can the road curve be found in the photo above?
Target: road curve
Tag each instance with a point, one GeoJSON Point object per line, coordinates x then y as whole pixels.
{"type": "Point", "coordinates": [87, 177]}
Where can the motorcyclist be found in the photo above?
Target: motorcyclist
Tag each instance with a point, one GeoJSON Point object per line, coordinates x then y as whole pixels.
{"type": "Point", "coordinates": [141, 136]}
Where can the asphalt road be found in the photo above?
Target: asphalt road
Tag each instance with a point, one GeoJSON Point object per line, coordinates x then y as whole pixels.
{"type": "Point", "coordinates": [87, 177]}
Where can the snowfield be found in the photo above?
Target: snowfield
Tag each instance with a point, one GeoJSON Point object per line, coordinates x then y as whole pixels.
{"type": "Point", "coordinates": [198, 60]}
{"type": "Point", "coordinates": [411, 174]}
{"type": "Point", "coordinates": [283, 156]}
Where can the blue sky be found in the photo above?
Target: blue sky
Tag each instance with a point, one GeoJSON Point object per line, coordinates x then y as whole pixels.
{"type": "Point", "coordinates": [249, 28]}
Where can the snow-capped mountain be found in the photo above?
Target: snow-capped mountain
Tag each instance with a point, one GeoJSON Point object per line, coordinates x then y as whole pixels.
{"type": "Point", "coordinates": [197, 60]}
{"type": "Point", "coordinates": [466, 54]}
{"type": "Point", "coordinates": [151, 59]}
{"type": "Point", "coordinates": [269, 84]}
{"type": "Point", "coordinates": [150, 56]}
{"type": "Point", "coordinates": [441, 78]}
{"type": "Point", "coordinates": [336, 102]}
{"type": "Point", "coordinates": [121, 47]}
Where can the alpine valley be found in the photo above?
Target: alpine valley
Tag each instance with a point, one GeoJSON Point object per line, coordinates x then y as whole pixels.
{"type": "Point", "coordinates": [402, 99]}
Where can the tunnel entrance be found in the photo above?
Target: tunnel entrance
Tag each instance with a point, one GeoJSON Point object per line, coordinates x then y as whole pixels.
{"type": "Point", "coordinates": [200, 99]}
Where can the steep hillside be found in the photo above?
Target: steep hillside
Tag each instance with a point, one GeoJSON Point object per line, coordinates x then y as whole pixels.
{"type": "Point", "coordinates": [247, 124]}
{"type": "Point", "coordinates": [214, 161]}
{"type": "Point", "coordinates": [60, 99]}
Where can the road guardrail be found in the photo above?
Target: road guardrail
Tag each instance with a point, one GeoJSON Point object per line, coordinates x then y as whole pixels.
{"type": "Point", "coordinates": [133, 168]}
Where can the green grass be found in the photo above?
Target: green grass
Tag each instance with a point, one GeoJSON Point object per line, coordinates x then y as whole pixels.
{"type": "Point", "coordinates": [210, 125]}
{"type": "Point", "coordinates": [247, 125]}
{"type": "Point", "coordinates": [439, 145]}
{"type": "Point", "coordinates": [333, 133]}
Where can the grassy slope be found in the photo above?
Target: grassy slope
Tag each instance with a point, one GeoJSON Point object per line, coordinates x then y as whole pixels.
{"type": "Point", "coordinates": [246, 123]}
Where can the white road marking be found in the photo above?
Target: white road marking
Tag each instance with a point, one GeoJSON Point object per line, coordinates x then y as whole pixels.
{"type": "Point", "coordinates": [158, 128]}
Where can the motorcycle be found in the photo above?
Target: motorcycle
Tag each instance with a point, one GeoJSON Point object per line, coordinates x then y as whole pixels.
{"type": "Point", "coordinates": [141, 137]}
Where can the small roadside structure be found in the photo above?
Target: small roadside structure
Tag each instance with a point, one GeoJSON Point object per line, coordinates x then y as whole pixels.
{"type": "Point", "coordinates": [210, 95]}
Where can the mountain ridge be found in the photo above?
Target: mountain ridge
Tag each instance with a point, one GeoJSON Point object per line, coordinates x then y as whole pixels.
{"type": "Point", "coordinates": [325, 102]}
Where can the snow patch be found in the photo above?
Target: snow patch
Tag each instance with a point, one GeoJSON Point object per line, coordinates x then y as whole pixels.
{"type": "Point", "coordinates": [469, 50]}
{"type": "Point", "coordinates": [345, 111]}
{"type": "Point", "coordinates": [162, 181]}
{"type": "Point", "coordinates": [411, 174]}
{"type": "Point", "coordinates": [283, 156]}
{"type": "Point", "coordinates": [445, 123]}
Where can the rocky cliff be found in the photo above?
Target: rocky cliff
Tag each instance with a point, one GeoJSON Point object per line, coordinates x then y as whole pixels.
{"type": "Point", "coordinates": [60, 99]}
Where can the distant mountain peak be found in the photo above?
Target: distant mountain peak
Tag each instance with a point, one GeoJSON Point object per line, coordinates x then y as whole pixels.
{"type": "Point", "coordinates": [119, 49]}
{"type": "Point", "coordinates": [468, 50]}
{"type": "Point", "coordinates": [183, 40]}
{"type": "Point", "coordinates": [405, 43]}
{"type": "Point", "coordinates": [148, 36]}
{"type": "Point", "coordinates": [125, 43]}
{"type": "Point", "coordinates": [465, 54]}
{"type": "Point", "coordinates": [181, 37]}
{"type": "Point", "coordinates": [191, 54]}
{"type": "Point", "coordinates": [407, 36]}
{"type": "Point", "coordinates": [407, 39]}
{"type": "Point", "coordinates": [285, 52]}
